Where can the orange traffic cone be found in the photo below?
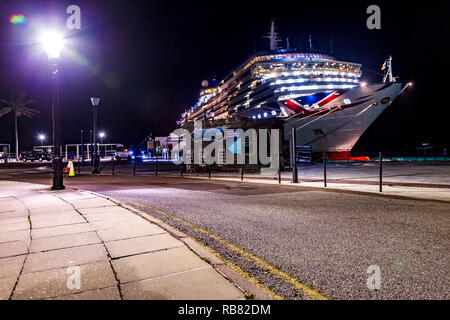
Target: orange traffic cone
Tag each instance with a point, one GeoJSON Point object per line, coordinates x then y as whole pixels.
{"type": "Point", "coordinates": [68, 168]}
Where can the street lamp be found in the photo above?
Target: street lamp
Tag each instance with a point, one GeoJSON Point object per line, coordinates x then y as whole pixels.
{"type": "Point", "coordinates": [42, 138]}
{"type": "Point", "coordinates": [101, 135]}
{"type": "Point", "coordinates": [53, 43]}
{"type": "Point", "coordinates": [96, 161]}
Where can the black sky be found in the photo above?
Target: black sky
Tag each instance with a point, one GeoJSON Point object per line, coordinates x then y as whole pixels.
{"type": "Point", "coordinates": [146, 60]}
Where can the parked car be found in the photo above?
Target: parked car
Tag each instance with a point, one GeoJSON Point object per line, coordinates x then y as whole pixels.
{"type": "Point", "coordinates": [122, 153]}
{"type": "Point", "coordinates": [35, 155]}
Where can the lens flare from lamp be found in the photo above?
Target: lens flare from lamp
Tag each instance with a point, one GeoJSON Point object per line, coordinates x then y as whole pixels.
{"type": "Point", "coordinates": [17, 19]}
{"type": "Point", "coordinates": [53, 43]}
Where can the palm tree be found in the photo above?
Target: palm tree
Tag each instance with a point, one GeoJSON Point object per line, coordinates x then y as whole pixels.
{"type": "Point", "coordinates": [19, 105]}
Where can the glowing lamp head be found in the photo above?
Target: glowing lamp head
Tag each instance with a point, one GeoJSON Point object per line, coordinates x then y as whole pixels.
{"type": "Point", "coordinates": [101, 134]}
{"type": "Point", "coordinates": [53, 43]}
{"type": "Point", "coordinates": [41, 137]}
{"type": "Point", "coordinates": [95, 101]}
{"type": "Point", "coordinates": [410, 84]}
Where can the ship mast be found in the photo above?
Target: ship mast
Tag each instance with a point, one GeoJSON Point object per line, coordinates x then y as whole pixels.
{"type": "Point", "coordinates": [389, 75]}
{"type": "Point", "coordinates": [273, 37]}
{"type": "Point", "coordinates": [310, 43]}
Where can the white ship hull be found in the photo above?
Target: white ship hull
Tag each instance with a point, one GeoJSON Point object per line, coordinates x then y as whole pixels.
{"type": "Point", "coordinates": [340, 130]}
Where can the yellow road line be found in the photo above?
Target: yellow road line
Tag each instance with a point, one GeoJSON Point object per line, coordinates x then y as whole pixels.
{"type": "Point", "coordinates": [296, 283]}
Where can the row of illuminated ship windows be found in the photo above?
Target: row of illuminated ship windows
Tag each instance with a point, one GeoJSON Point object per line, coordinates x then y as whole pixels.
{"type": "Point", "coordinates": [323, 66]}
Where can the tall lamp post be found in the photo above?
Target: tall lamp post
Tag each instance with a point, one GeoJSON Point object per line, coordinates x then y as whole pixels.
{"type": "Point", "coordinates": [53, 44]}
{"type": "Point", "coordinates": [96, 160]}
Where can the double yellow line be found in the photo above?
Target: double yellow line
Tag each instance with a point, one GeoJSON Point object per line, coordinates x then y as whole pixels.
{"type": "Point", "coordinates": [296, 283]}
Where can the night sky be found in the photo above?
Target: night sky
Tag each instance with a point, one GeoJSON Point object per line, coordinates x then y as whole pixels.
{"type": "Point", "coordinates": [146, 60]}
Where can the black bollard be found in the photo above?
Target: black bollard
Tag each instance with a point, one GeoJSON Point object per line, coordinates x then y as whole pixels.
{"type": "Point", "coordinates": [113, 165]}
{"type": "Point", "coordinates": [294, 156]}
{"type": "Point", "coordinates": [381, 172]}
{"type": "Point", "coordinates": [325, 169]}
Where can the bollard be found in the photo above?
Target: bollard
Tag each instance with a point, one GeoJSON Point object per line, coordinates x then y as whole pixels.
{"type": "Point", "coordinates": [325, 169]}
{"type": "Point", "coordinates": [242, 173]}
{"type": "Point", "coordinates": [113, 165]}
{"type": "Point", "coordinates": [156, 165]}
{"type": "Point", "coordinates": [381, 172]}
{"type": "Point", "coordinates": [294, 156]}
{"type": "Point", "coordinates": [134, 167]}
{"type": "Point", "coordinates": [279, 172]}
{"type": "Point", "coordinates": [181, 170]}
{"type": "Point", "coordinates": [209, 172]}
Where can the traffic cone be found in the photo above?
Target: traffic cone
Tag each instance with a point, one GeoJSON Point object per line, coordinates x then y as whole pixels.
{"type": "Point", "coordinates": [72, 170]}
{"type": "Point", "coordinates": [68, 167]}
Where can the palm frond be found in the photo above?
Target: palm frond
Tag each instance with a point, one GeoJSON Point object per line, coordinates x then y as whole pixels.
{"type": "Point", "coordinates": [5, 111]}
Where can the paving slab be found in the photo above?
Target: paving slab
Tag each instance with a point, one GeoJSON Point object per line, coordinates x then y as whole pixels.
{"type": "Point", "coordinates": [116, 224]}
{"type": "Point", "coordinates": [11, 266]}
{"type": "Point", "coordinates": [73, 196]}
{"type": "Point", "coordinates": [13, 214]}
{"type": "Point", "coordinates": [16, 226]}
{"type": "Point", "coordinates": [92, 203]}
{"type": "Point", "coordinates": [14, 236]}
{"type": "Point", "coordinates": [64, 241]}
{"type": "Point", "coordinates": [111, 293]}
{"type": "Point", "coordinates": [128, 247]}
{"type": "Point", "coordinates": [201, 284]}
{"type": "Point", "coordinates": [100, 210]}
{"type": "Point", "coordinates": [53, 283]}
{"type": "Point", "coordinates": [51, 210]}
{"type": "Point", "coordinates": [11, 205]}
{"type": "Point", "coordinates": [7, 220]}
{"type": "Point", "coordinates": [64, 258]}
{"type": "Point", "coordinates": [105, 216]}
{"type": "Point", "coordinates": [156, 264]}
{"type": "Point", "coordinates": [128, 232]}
{"type": "Point", "coordinates": [61, 230]}
{"type": "Point", "coordinates": [56, 221]}
{"type": "Point", "coordinates": [6, 287]}
{"type": "Point", "coordinates": [15, 248]}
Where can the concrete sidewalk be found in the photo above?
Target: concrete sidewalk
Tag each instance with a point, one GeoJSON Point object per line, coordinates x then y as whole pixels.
{"type": "Point", "coordinates": [77, 245]}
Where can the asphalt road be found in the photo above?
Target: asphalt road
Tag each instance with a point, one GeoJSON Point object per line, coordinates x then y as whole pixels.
{"type": "Point", "coordinates": [325, 240]}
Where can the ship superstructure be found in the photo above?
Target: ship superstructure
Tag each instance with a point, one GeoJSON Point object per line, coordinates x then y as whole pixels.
{"type": "Point", "coordinates": [324, 98]}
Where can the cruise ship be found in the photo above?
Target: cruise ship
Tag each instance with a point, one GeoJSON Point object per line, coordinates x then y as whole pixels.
{"type": "Point", "coordinates": [323, 98]}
